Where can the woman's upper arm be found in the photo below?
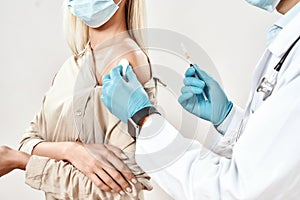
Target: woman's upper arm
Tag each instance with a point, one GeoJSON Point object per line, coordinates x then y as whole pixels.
{"type": "Point", "coordinates": [33, 135]}
{"type": "Point", "coordinates": [37, 130]}
{"type": "Point", "coordinates": [138, 61]}
{"type": "Point", "coordinates": [141, 66]}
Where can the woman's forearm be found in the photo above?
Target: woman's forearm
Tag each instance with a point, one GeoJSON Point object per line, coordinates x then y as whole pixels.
{"type": "Point", "coordinates": [94, 161]}
{"type": "Point", "coordinates": [54, 150]}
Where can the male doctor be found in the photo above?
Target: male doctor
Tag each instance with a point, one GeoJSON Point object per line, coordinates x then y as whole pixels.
{"type": "Point", "coordinates": [260, 145]}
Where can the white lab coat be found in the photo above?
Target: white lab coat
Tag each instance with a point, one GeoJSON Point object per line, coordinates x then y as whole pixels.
{"type": "Point", "coordinates": [264, 162]}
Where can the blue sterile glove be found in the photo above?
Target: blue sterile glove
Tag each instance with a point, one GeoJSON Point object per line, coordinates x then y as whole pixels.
{"type": "Point", "coordinates": [123, 97]}
{"type": "Point", "coordinates": [197, 83]}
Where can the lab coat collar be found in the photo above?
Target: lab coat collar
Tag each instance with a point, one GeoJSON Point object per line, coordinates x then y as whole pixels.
{"type": "Point", "coordinates": [286, 37]}
{"type": "Point", "coordinates": [286, 18]}
{"type": "Point", "coordinates": [282, 22]}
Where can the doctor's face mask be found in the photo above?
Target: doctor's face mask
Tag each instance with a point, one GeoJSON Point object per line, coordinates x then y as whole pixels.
{"type": "Point", "coordinates": [93, 13]}
{"type": "Point", "coordinates": [268, 5]}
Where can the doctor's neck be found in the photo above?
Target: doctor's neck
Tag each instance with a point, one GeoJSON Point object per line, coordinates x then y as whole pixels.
{"type": "Point", "coordinates": [285, 5]}
{"type": "Point", "coordinates": [116, 25]}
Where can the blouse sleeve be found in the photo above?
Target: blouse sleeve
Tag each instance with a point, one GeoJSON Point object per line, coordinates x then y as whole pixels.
{"type": "Point", "coordinates": [35, 133]}
{"type": "Point", "coordinates": [60, 179]}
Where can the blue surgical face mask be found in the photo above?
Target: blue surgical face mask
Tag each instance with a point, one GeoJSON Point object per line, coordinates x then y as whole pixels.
{"type": "Point", "coordinates": [268, 5]}
{"type": "Point", "coordinates": [93, 13]}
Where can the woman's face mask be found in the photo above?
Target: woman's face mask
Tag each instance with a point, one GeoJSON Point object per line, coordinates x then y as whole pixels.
{"type": "Point", "coordinates": [93, 13]}
{"type": "Point", "coordinates": [268, 5]}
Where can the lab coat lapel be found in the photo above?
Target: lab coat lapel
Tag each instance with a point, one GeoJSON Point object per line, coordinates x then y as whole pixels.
{"type": "Point", "coordinates": [260, 68]}
{"type": "Point", "coordinates": [277, 48]}
{"type": "Point", "coordinates": [286, 37]}
{"type": "Point", "coordinates": [257, 75]}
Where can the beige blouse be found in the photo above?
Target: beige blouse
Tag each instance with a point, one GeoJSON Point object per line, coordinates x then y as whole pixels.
{"type": "Point", "coordinates": [72, 111]}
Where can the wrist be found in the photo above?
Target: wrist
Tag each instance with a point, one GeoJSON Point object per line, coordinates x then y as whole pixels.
{"type": "Point", "coordinates": [22, 159]}
{"type": "Point", "coordinates": [143, 114]}
{"type": "Point", "coordinates": [229, 108]}
{"type": "Point", "coordinates": [224, 116]}
{"type": "Point", "coordinates": [136, 122]}
{"type": "Point", "coordinates": [144, 120]}
{"type": "Point", "coordinates": [139, 109]}
{"type": "Point", "coordinates": [69, 149]}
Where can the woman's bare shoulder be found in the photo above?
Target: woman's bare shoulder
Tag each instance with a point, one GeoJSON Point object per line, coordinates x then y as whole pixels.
{"type": "Point", "coordinates": [140, 64]}
{"type": "Point", "coordinates": [137, 59]}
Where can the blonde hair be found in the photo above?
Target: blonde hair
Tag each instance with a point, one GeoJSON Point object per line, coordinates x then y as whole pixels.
{"type": "Point", "coordinates": [77, 32]}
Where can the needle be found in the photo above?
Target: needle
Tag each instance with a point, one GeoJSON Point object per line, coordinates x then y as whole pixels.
{"type": "Point", "coordinates": [188, 58]}
{"type": "Point", "coordinates": [187, 55]}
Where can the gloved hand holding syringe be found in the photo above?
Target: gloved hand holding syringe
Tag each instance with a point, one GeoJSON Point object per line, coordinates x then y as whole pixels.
{"type": "Point", "coordinates": [192, 64]}
{"type": "Point", "coordinates": [202, 95]}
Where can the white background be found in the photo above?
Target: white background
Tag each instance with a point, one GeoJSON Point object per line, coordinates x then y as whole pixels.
{"type": "Point", "coordinates": [33, 49]}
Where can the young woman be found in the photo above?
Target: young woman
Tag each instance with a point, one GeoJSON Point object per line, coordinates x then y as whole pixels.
{"type": "Point", "coordinates": [74, 127]}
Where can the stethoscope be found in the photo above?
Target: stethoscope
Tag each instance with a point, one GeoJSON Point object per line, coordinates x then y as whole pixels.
{"type": "Point", "coordinates": [267, 85]}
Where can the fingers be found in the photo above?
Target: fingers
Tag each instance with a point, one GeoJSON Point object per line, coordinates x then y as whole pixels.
{"type": "Point", "coordinates": [109, 86]}
{"type": "Point", "coordinates": [183, 99]}
{"type": "Point", "coordinates": [116, 73]}
{"type": "Point", "coordinates": [199, 74]}
{"type": "Point", "coordinates": [188, 101]}
{"type": "Point", "coordinates": [107, 178]}
{"type": "Point", "coordinates": [106, 96]}
{"type": "Point", "coordinates": [110, 182]}
{"type": "Point", "coordinates": [121, 167]}
{"type": "Point", "coordinates": [118, 152]}
{"type": "Point", "coordinates": [130, 74]}
{"type": "Point", "coordinates": [115, 159]}
{"type": "Point", "coordinates": [106, 78]}
{"type": "Point", "coordinates": [190, 72]}
{"type": "Point", "coordinates": [195, 82]}
{"type": "Point", "coordinates": [117, 177]}
{"type": "Point", "coordinates": [202, 74]}
{"type": "Point", "coordinates": [192, 89]}
{"type": "Point", "coordinates": [99, 183]}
